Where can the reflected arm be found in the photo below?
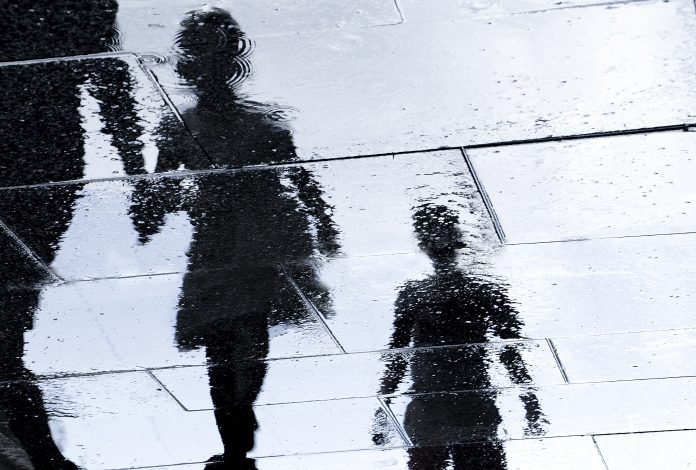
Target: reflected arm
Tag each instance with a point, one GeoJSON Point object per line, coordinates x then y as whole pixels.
{"type": "Point", "coordinates": [113, 87]}
{"type": "Point", "coordinates": [310, 195]}
{"type": "Point", "coordinates": [152, 200]}
{"type": "Point", "coordinates": [404, 319]}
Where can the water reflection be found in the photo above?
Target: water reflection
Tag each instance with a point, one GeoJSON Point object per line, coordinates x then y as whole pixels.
{"type": "Point", "coordinates": [43, 124]}
{"type": "Point", "coordinates": [32, 29]}
{"type": "Point", "coordinates": [249, 222]}
{"type": "Point", "coordinates": [449, 307]}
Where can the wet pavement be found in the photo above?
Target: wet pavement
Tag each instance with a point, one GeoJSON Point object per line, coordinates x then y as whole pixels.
{"type": "Point", "coordinates": [291, 234]}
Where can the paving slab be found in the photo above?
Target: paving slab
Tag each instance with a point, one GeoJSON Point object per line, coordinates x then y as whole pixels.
{"type": "Point", "coordinates": [572, 289]}
{"type": "Point", "coordinates": [571, 453]}
{"type": "Point", "coordinates": [133, 323]}
{"type": "Point", "coordinates": [86, 119]}
{"type": "Point", "coordinates": [553, 411]}
{"type": "Point", "coordinates": [592, 188]}
{"type": "Point", "coordinates": [147, 27]}
{"type": "Point", "coordinates": [450, 10]}
{"type": "Point", "coordinates": [648, 450]}
{"type": "Point", "coordinates": [282, 214]}
{"type": "Point", "coordinates": [559, 72]}
{"type": "Point", "coordinates": [600, 286]}
{"type": "Point", "coordinates": [654, 354]}
{"type": "Point", "coordinates": [110, 442]}
{"type": "Point", "coordinates": [365, 375]}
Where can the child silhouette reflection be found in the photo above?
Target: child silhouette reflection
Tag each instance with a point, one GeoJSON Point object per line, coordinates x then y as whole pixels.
{"type": "Point", "coordinates": [246, 224]}
{"type": "Point", "coordinates": [31, 153]}
{"type": "Point", "coordinates": [451, 307]}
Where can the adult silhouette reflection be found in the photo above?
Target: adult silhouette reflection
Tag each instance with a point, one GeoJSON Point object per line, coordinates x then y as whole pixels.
{"type": "Point", "coordinates": [452, 307]}
{"type": "Point", "coordinates": [246, 224]}
{"type": "Point", "coordinates": [43, 140]}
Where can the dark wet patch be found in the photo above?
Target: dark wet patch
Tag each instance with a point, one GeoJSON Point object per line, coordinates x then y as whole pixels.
{"type": "Point", "coordinates": [47, 28]}
{"type": "Point", "coordinates": [17, 267]}
{"type": "Point", "coordinates": [86, 119]}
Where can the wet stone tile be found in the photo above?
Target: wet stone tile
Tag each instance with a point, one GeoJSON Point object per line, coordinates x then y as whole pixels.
{"type": "Point", "coordinates": [616, 186]}
{"type": "Point", "coordinates": [123, 394]}
{"type": "Point", "coordinates": [542, 291]}
{"type": "Point", "coordinates": [568, 453]}
{"type": "Point", "coordinates": [364, 375]}
{"type": "Point", "coordinates": [447, 10]}
{"type": "Point", "coordinates": [653, 354]}
{"type": "Point", "coordinates": [189, 437]}
{"type": "Point", "coordinates": [328, 426]}
{"type": "Point", "coordinates": [648, 450]}
{"type": "Point", "coordinates": [86, 119]}
{"type": "Point", "coordinates": [399, 301]}
{"type": "Point", "coordinates": [285, 214]}
{"type": "Point", "coordinates": [37, 413]}
{"type": "Point", "coordinates": [409, 79]}
{"type": "Point", "coordinates": [127, 324]}
{"type": "Point", "coordinates": [552, 411]}
{"type": "Point", "coordinates": [115, 442]}
{"type": "Point", "coordinates": [600, 286]}
{"type": "Point", "coordinates": [377, 205]}
{"type": "Point", "coordinates": [146, 26]}
{"type": "Point", "coordinates": [17, 267]}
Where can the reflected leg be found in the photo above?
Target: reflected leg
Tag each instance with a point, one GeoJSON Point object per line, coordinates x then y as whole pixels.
{"type": "Point", "coordinates": [489, 454]}
{"type": "Point", "coordinates": [236, 372]}
{"type": "Point", "coordinates": [21, 401]}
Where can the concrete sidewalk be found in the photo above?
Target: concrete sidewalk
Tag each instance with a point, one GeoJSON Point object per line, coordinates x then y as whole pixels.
{"type": "Point", "coordinates": [336, 235]}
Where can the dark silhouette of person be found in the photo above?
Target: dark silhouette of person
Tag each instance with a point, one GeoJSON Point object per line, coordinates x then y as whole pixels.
{"type": "Point", "coordinates": [43, 141]}
{"type": "Point", "coordinates": [247, 224]}
{"type": "Point", "coordinates": [453, 307]}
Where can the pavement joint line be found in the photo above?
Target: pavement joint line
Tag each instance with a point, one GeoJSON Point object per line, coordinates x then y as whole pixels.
{"type": "Point", "coordinates": [166, 390]}
{"type": "Point", "coordinates": [599, 452]}
{"type": "Point", "coordinates": [310, 305]}
{"type": "Point", "coordinates": [28, 251]}
{"type": "Point", "coordinates": [384, 404]}
{"type": "Point", "coordinates": [100, 55]}
{"type": "Point", "coordinates": [304, 162]}
{"type": "Point", "coordinates": [165, 96]}
{"type": "Point", "coordinates": [473, 441]}
{"type": "Point", "coordinates": [488, 204]}
{"type": "Point", "coordinates": [389, 396]}
{"type": "Point", "coordinates": [583, 6]}
{"type": "Point", "coordinates": [400, 11]}
{"type": "Point", "coordinates": [616, 237]}
{"type": "Point", "coordinates": [557, 358]}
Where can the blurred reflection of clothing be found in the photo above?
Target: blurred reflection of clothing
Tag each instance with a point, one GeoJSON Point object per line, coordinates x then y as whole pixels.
{"type": "Point", "coordinates": [453, 307]}
{"type": "Point", "coordinates": [246, 224]}
{"type": "Point", "coordinates": [43, 141]}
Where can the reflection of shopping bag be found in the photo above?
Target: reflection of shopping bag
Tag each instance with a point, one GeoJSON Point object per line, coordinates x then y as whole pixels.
{"type": "Point", "coordinates": [450, 417]}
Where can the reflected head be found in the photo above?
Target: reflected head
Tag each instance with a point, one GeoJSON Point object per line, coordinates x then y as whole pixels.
{"type": "Point", "coordinates": [437, 229]}
{"type": "Point", "coordinates": [212, 46]}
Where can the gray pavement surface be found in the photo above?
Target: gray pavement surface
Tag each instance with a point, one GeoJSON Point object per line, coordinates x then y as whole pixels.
{"type": "Point", "coordinates": [384, 234]}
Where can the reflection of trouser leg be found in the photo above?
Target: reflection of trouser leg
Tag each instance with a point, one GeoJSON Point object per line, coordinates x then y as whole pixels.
{"type": "Point", "coordinates": [23, 406]}
{"type": "Point", "coordinates": [488, 454]}
{"type": "Point", "coordinates": [428, 458]}
{"type": "Point", "coordinates": [236, 374]}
